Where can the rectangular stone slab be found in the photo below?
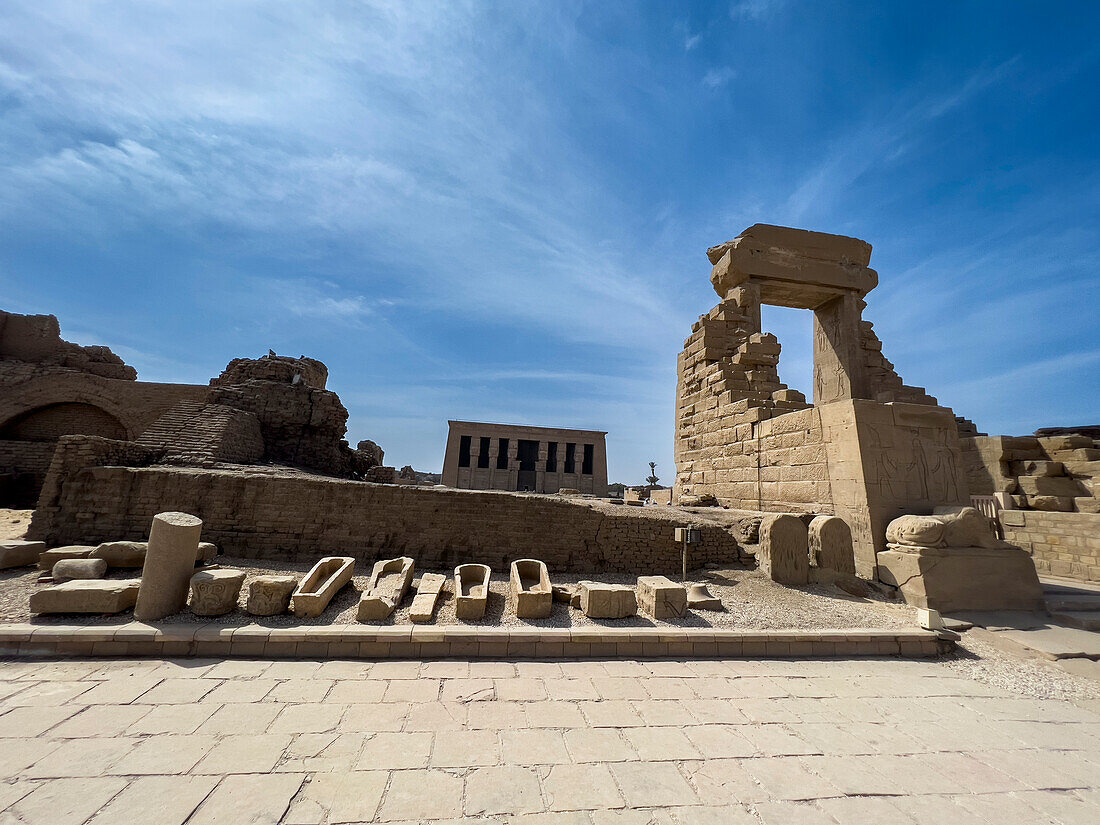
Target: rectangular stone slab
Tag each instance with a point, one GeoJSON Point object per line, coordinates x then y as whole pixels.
{"type": "Point", "coordinates": [87, 596]}
{"type": "Point", "coordinates": [427, 594]}
{"type": "Point", "coordinates": [48, 559]}
{"type": "Point", "coordinates": [19, 553]}
{"type": "Point", "coordinates": [661, 598]}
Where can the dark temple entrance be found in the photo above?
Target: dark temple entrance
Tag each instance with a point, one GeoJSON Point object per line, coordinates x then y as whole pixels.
{"type": "Point", "coordinates": [527, 453]}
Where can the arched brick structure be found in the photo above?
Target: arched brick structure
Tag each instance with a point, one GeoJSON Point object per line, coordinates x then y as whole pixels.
{"type": "Point", "coordinates": [52, 421]}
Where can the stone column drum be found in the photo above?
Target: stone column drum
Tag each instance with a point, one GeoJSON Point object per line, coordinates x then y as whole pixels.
{"type": "Point", "coordinates": [169, 565]}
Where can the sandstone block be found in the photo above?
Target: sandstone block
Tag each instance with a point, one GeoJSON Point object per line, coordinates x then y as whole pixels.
{"type": "Point", "coordinates": [1037, 468]}
{"type": "Point", "coordinates": [324, 581]}
{"type": "Point", "coordinates": [830, 544]}
{"type": "Point", "coordinates": [215, 592]}
{"type": "Point", "coordinates": [471, 591]}
{"type": "Point", "coordinates": [530, 593]}
{"type": "Point", "coordinates": [1062, 486]}
{"type": "Point", "coordinates": [427, 594]}
{"type": "Point", "coordinates": [951, 579]}
{"type": "Point", "coordinates": [563, 593]}
{"type": "Point", "coordinates": [389, 582]}
{"type": "Point", "coordinates": [206, 551]}
{"type": "Point", "coordinates": [87, 596]}
{"type": "Point", "coordinates": [270, 595]}
{"type": "Point", "coordinates": [67, 569]}
{"type": "Point", "coordinates": [1087, 504]}
{"type": "Point", "coordinates": [784, 549]}
{"type": "Point", "coordinates": [606, 601]}
{"type": "Point", "coordinates": [48, 559]}
{"type": "Point", "coordinates": [1055, 504]}
{"type": "Point", "coordinates": [1057, 443]}
{"type": "Point", "coordinates": [169, 565]}
{"type": "Point", "coordinates": [19, 553]}
{"type": "Point", "coordinates": [122, 553]}
{"type": "Point", "coordinates": [661, 598]}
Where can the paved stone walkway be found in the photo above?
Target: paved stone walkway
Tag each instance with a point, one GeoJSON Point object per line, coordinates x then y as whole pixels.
{"type": "Point", "coordinates": [538, 743]}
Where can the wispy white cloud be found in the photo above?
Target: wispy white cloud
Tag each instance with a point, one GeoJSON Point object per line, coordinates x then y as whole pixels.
{"type": "Point", "coordinates": [754, 9]}
{"type": "Point", "coordinates": [719, 76]}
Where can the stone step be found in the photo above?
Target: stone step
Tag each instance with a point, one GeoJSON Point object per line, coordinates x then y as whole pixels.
{"type": "Point", "coordinates": [1073, 604]}
{"type": "Point", "coordinates": [1083, 619]}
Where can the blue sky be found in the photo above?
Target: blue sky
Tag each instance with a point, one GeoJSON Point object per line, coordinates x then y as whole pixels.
{"type": "Point", "coordinates": [500, 211]}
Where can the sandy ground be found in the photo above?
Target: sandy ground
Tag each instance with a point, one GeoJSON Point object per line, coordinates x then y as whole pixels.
{"type": "Point", "coordinates": [14, 523]}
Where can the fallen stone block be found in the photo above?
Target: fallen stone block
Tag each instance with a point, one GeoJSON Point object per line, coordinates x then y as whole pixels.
{"type": "Point", "coordinates": [324, 581]}
{"type": "Point", "coordinates": [607, 601]}
{"type": "Point", "coordinates": [49, 558]}
{"type": "Point", "coordinates": [270, 595]}
{"type": "Point", "coordinates": [661, 598]}
{"type": "Point", "coordinates": [700, 598]}
{"type": "Point", "coordinates": [471, 591]}
{"type": "Point", "coordinates": [19, 553]}
{"type": "Point", "coordinates": [389, 582]}
{"type": "Point", "coordinates": [215, 592]}
{"type": "Point", "coordinates": [122, 553]}
{"type": "Point", "coordinates": [784, 549]}
{"type": "Point", "coordinates": [169, 565]}
{"type": "Point", "coordinates": [86, 596]}
{"type": "Point", "coordinates": [67, 569]}
{"type": "Point", "coordinates": [530, 593]}
{"type": "Point", "coordinates": [206, 551]}
{"type": "Point", "coordinates": [1051, 504]}
{"type": "Point", "coordinates": [427, 594]}
{"type": "Point", "coordinates": [1062, 486]}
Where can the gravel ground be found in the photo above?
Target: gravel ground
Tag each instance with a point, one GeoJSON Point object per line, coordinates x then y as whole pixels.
{"type": "Point", "coordinates": [1033, 677]}
{"type": "Point", "coordinates": [752, 602]}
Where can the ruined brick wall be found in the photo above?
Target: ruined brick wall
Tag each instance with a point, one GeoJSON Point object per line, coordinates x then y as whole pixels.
{"type": "Point", "coordinates": [1061, 544]}
{"type": "Point", "coordinates": [23, 466]}
{"type": "Point", "coordinates": [267, 516]}
{"type": "Point", "coordinates": [200, 434]}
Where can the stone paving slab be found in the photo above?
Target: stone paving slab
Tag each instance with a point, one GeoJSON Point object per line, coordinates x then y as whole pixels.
{"type": "Point", "coordinates": [312, 742]}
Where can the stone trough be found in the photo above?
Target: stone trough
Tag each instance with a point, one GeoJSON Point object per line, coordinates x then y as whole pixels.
{"type": "Point", "coordinates": [324, 581]}
{"type": "Point", "coordinates": [529, 591]}
{"type": "Point", "coordinates": [471, 591]}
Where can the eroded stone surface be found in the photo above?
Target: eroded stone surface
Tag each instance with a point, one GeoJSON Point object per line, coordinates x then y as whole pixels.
{"type": "Point", "coordinates": [67, 569]}
{"type": "Point", "coordinates": [169, 565]}
{"type": "Point", "coordinates": [389, 582]}
{"type": "Point", "coordinates": [661, 598]}
{"type": "Point", "coordinates": [215, 592]}
{"type": "Point", "coordinates": [122, 553]}
{"type": "Point", "coordinates": [427, 594]}
{"type": "Point", "coordinates": [87, 596]}
{"type": "Point", "coordinates": [784, 549]}
{"type": "Point", "coordinates": [270, 595]}
{"type": "Point", "coordinates": [49, 558]}
{"type": "Point", "coordinates": [18, 553]}
{"type": "Point", "coordinates": [606, 601]}
{"type": "Point", "coordinates": [830, 544]}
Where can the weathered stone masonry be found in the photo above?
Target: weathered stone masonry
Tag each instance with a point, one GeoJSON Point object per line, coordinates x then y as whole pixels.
{"type": "Point", "coordinates": [272, 516]}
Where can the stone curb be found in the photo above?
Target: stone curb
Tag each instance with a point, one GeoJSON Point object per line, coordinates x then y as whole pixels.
{"type": "Point", "coordinates": [419, 642]}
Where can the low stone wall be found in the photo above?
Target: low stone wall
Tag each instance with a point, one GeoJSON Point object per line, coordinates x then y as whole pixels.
{"type": "Point", "coordinates": [263, 515]}
{"type": "Point", "coordinates": [1061, 544]}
